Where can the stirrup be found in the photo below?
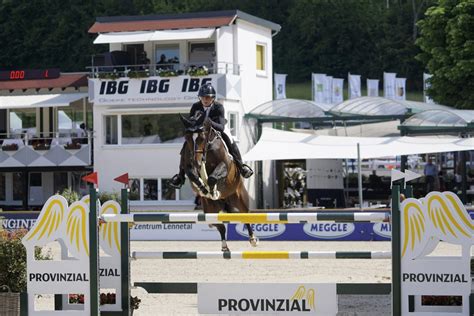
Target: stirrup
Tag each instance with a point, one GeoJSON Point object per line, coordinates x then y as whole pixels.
{"type": "Point", "coordinates": [176, 182]}
{"type": "Point", "coordinates": [246, 171]}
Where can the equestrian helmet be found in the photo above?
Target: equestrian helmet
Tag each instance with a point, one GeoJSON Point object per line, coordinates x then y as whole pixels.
{"type": "Point", "coordinates": [207, 90]}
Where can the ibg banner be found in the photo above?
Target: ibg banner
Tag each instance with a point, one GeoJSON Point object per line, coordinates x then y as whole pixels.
{"type": "Point", "coordinates": [155, 90]}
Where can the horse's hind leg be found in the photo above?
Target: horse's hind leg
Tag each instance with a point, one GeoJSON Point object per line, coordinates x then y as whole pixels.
{"type": "Point", "coordinates": [221, 229]}
{"type": "Point", "coordinates": [252, 238]}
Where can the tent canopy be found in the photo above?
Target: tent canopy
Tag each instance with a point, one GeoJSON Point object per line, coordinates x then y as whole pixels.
{"type": "Point", "coordinates": [39, 100]}
{"type": "Point", "coordinates": [281, 145]}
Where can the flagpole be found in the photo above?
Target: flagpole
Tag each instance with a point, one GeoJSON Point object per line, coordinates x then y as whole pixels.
{"type": "Point", "coordinates": [359, 169]}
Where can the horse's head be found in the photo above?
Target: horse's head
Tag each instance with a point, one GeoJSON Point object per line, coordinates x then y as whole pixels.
{"type": "Point", "coordinates": [193, 124]}
{"type": "Point", "coordinates": [204, 140]}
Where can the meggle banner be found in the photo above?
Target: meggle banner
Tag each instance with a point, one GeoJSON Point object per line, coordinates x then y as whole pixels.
{"type": "Point", "coordinates": [153, 90]}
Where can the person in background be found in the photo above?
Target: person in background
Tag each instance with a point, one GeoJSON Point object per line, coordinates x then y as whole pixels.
{"type": "Point", "coordinates": [431, 174]}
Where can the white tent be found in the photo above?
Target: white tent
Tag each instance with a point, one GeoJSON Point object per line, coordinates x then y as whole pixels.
{"type": "Point", "coordinates": [382, 129]}
{"type": "Point", "coordinates": [281, 145]}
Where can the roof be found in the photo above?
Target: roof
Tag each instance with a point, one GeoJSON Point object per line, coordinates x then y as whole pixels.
{"type": "Point", "coordinates": [64, 81]}
{"type": "Point", "coordinates": [176, 21]}
{"type": "Point", "coordinates": [378, 106]}
{"type": "Point", "coordinates": [289, 109]}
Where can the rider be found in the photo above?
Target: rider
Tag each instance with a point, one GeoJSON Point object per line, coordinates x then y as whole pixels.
{"type": "Point", "coordinates": [213, 110]}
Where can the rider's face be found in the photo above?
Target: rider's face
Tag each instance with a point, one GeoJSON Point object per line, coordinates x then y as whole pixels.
{"type": "Point", "coordinates": [206, 100]}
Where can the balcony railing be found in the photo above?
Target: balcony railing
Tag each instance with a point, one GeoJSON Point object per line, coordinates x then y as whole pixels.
{"type": "Point", "coordinates": [163, 70]}
{"type": "Point", "coordinates": [22, 150]}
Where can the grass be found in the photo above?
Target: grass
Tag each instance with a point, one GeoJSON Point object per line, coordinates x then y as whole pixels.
{"type": "Point", "coordinates": [303, 91]}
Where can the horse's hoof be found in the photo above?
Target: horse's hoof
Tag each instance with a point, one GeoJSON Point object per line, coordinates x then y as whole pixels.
{"type": "Point", "coordinates": [225, 249]}
{"type": "Point", "coordinates": [253, 241]}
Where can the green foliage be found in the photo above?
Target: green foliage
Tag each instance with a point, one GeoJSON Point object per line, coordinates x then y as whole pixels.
{"type": "Point", "coordinates": [333, 37]}
{"type": "Point", "coordinates": [137, 74]}
{"type": "Point", "coordinates": [108, 196]}
{"type": "Point", "coordinates": [70, 195]}
{"type": "Point", "coordinates": [13, 260]}
{"type": "Point", "coordinates": [447, 44]}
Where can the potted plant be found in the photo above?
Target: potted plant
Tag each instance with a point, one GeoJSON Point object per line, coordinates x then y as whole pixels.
{"type": "Point", "coordinates": [10, 147]}
{"type": "Point", "coordinates": [194, 71]}
{"type": "Point", "coordinates": [105, 298]}
{"type": "Point", "coordinates": [72, 146]}
{"type": "Point", "coordinates": [41, 146]}
{"type": "Point", "coordinates": [167, 73]}
{"type": "Point", "coordinates": [137, 74]}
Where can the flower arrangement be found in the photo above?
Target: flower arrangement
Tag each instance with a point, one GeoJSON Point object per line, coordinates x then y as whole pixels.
{"type": "Point", "coordinates": [167, 72]}
{"type": "Point", "coordinates": [73, 145]}
{"type": "Point", "coordinates": [136, 74]}
{"type": "Point", "coordinates": [194, 71]}
{"type": "Point", "coordinates": [441, 300]}
{"type": "Point", "coordinates": [105, 298]}
{"type": "Point", "coordinates": [108, 75]}
{"type": "Point", "coordinates": [40, 146]}
{"type": "Point", "coordinates": [10, 147]}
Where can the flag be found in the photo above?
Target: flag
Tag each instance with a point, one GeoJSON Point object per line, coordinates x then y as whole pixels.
{"type": "Point", "coordinates": [426, 85]}
{"type": "Point", "coordinates": [389, 84]}
{"type": "Point", "coordinates": [280, 86]}
{"type": "Point", "coordinates": [372, 87]}
{"type": "Point", "coordinates": [328, 90]}
{"type": "Point", "coordinates": [319, 83]}
{"type": "Point", "coordinates": [354, 86]}
{"type": "Point", "coordinates": [400, 88]}
{"type": "Point", "coordinates": [122, 179]}
{"type": "Point", "coordinates": [337, 90]}
{"type": "Point", "coordinates": [91, 178]}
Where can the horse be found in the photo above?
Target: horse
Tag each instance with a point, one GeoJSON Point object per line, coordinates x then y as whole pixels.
{"type": "Point", "coordinates": [214, 174]}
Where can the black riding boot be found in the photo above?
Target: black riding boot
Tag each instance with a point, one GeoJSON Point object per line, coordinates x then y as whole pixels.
{"type": "Point", "coordinates": [244, 169]}
{"type": "Point", "coordinates": [177, 180]}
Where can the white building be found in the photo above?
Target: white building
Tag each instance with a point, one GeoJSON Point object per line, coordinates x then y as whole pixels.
{"type": "Point", "coordinates": [152, 72]}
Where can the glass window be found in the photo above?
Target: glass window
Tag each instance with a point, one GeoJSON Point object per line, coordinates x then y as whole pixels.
{"type": "Point", "coordinates": [134, 185]}
{"type": "Point", "coordinates": [60, 181]}
{"type": "Point", "coordinates": [166, 56]}
{"type": "Point", "coordinates": [71, 117]}
{"type": "Point", "coordinates": [167, 193]}
{"type": "Point", "coordinates": [23, 120]}
{"type": "Point", "coordinates": [111, 130]}
{"type": "Point", "coordinates": [233, 124]}
{"type": "Point", "coordinates": [202, 54]}
{"type": "Point", "coordinates": [151, 129]}
{"type": "Point", "coordinates": [35, 179]}
{"type": "Point", "coordinates": [2, 186]}
{"type": "Point", "coordinates": [260, 57]}
{"type": "Point", "coordinates": [17, 186]}
{"type": "Point", "coordinates": [150, 189]}
{"type": "Point", "coordinates": [77, 184]}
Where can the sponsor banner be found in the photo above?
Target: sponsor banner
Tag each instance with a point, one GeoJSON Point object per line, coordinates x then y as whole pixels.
{"type": "Point", "coordinates": [354, 86]}
{"type": "Point", "coordinates": [153, 90]}
{"type": "Point", "coordinates": [426, 86]}
{"type": "Point", "coordinates": [12, 221]}
{"type": "Point", "coordinates": [400, 88]}
{"type": "Point", "coordinates": [280, 86]}
{"type": "Point", "coordinates": [319, 87]}
{"type": "Point", "coordinates": [337, 90]}
{"type": "Point", "coordinates": [372, 88]}
{"type": "Point", "coordinates": [389, 84]}
{"type": "Point", "coordinates": [263, 298]}
{"type": "Point", "coordinates": [313, 231]}
{"type": "Point", "coordinates": [173, 231]}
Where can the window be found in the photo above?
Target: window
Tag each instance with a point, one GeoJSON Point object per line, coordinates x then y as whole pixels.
{"type": "Point", "coordinates": [261, 57]}
{"type": "Point", "coordinates": [111, 128]}
{"type": "Point", "coordinates": [134, 185]}
{"type": "Point", "coordinates": [2, 187]}
{"type": "Point", "coordinates": [151, 129]}
{"type": "Point", "coordinates": [17, 186]}
{"type": "Point", "coordinates": [150, 189]}
{"type": "Point", "coordinates": [35, 179]}
{"type": "Point", "coordinates": [60, 181]}
{"type": "Point", "coordinates": [156, 189]}
{"type": "Point", "coordinates": [71, 117]}
{"type": "Point", "coordinates": [202, 54]}
{"type": "Point", "coordinates": [234, 124]}
{"type": "Point", "coordinates": [23, 120]}
{"type": "Point", "coordinates": [166, 56]}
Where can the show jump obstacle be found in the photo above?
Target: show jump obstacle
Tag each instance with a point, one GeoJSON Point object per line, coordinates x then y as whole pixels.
{"type": "Point", "coordinates": [417, 227]}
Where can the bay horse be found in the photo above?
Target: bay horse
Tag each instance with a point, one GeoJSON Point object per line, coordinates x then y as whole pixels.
{"type": "Point", "coordinates": [214, 174]}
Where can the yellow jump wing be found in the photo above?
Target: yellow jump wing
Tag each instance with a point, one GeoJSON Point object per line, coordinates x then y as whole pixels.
{"type": "Point", "coordinates": [49, 223]}
{"type": "Point", "coordinates": [109, 233]}
{"type": "Point", "coordinates": [77, 233]}
{"type": "Point", "coordinates": [413, 228]}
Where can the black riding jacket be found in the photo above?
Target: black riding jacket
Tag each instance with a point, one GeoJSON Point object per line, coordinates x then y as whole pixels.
{"type": "Point", "coordinates": [216, 114]}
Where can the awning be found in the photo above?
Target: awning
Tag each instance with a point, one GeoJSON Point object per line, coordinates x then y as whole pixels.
{"type": "Point", "coordinates": [39, 101]}
{"type": "Point", "coordinates": [123, 37]}
{"type": "Point", "coordinates": [185, 34]}
{"type": "Point", "coordinates": [281, 145]}
{"type": "Point", "coordinates": [168, 35]}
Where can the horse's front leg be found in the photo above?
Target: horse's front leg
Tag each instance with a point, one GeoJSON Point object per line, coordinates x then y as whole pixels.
{"type": "Point", "coordinates": [252, 238]}
{"type": "Point", "coordinates": [219, 172]}
{"type": "Point", "coordinates": [221, 229]}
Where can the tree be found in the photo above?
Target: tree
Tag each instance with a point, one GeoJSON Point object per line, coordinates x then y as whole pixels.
{"type": "Point", "coordinates": [447, 44]}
